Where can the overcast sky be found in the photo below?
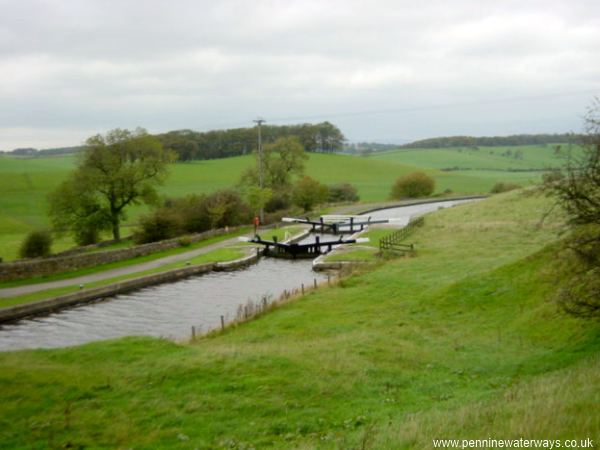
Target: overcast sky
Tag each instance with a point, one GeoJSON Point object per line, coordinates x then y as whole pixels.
{"type": "Point", "coordinates": [381, 70]}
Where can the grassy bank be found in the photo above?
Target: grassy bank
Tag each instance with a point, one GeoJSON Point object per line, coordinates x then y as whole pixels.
{"type": "Point", "coordinates": [460, 342]}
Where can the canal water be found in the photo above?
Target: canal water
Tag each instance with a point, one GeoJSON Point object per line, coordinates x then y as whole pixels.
{"type": "Point", "coordinates": [170, 310]}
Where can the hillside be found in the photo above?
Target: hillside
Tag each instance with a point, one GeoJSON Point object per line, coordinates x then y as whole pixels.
{"type": "Point", "coordinates": [522, 158]}
{"type": "Point", "coordinates": [25, 183]}
{"type": "Point", "coordinates": [461, 341]}
{"type": "Point", "coordinates": [512, 140]}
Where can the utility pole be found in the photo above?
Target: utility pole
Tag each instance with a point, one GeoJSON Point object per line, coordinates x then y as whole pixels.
{"type": "Point", "coordinates": [259, 121]}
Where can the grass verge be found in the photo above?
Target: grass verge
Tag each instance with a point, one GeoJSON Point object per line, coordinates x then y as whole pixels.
{"type": "Point", "coordinates": [461, 340]}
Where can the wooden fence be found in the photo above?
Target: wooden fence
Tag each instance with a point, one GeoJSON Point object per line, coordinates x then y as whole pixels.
{"type": "Point", "coordinates": [392, 242]}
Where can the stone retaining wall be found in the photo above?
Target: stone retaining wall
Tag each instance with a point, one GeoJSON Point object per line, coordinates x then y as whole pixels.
{"type": "Point", "coordinates": [19, 270]}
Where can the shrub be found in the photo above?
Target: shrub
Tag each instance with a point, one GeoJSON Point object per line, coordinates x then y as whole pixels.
{"type": "Point", "coordinates": [185, 241]}
{"type": "Point", "coordinates": [194, 214]}
{"type": "Point", "coordinates": [413, 185]}
{"type": "Point", "coordinates": [160, 225]}
{"type": "Point", "coordinates": [501, 186]}
{"type": "Point", "coordinates": [36, 244]}
{"type": "Point", "coordinates": [552, 177]}
{"type": "Point", "coordinates": [194, 217]}
{"type": "Point", "coordinates": [308, 192]}
{"type": "Point", "coordinates": [226, 208]}
{"type": "Point", "coordinates": [87, 236]}
{"type": "Point", "coordinates": [343, 192]}
{"type": "Point", "coordinates": [280, 200]}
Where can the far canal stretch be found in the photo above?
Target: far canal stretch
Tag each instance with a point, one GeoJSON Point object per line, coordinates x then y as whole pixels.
{"type": "Point", "coordinates": [415, 210]}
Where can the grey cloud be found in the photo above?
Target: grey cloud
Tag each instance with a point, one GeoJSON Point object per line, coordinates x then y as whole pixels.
{"type": "Point", "coordinates": [96, 64]}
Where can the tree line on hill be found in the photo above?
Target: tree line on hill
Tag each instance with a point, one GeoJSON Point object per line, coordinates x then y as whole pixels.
{"type": "Point", "coordinates": [193, 145]}
{"type": "Point", "coordinates": [490, 141]}
{"type": "Point", "coordinates": [32, 152]}
{"type": "Point", "coordinates": [323, 137]}
{"type": "Point", "coordinates": [367, 147]}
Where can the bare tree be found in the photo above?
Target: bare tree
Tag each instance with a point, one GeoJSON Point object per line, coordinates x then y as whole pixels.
{"type": "Point", "coordinates": [578, 192]}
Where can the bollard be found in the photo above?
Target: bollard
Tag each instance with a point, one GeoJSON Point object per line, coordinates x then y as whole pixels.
{"type": "Point", "coordinates": [315, 282]}
{"type": "Point", "coordinates": [193, 333]}
{"type": "Point", "coordinates": [302, 288]}
{"type": "Point", "coordinates": [222, 323]}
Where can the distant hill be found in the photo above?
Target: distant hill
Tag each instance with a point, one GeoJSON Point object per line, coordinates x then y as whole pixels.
{"type": "Point", "coordinates": [513, 140]}
{"type": "Point", "coordinates": [322, 138]}
{"type": "Point", "coordinates": [34, 152]}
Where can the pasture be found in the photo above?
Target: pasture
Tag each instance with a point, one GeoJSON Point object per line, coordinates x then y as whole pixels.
{"type": "Point", "coordinates": [521, 158]}
{"type": "Point", "coordinates": [25, 183]}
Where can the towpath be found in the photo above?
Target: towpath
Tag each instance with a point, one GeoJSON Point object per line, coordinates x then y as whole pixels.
{"type": "Point", "coordinates": [112, 273]}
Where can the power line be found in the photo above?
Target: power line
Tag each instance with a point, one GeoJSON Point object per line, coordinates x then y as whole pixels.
{"type": "Point", "coordinates": [335, 115]}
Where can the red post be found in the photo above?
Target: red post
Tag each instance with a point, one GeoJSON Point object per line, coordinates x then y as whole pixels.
{"type": "Point", "coordinates": [256, 222]}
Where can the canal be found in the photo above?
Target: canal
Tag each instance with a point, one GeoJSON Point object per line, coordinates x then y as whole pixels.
{"type": "Point", "coordinates": [170, 310]}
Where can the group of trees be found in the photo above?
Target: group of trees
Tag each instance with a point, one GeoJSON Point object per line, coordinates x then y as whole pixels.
{"type": "Point", "coordinates": [34, 152]}
{"type": "Point", "coordinates": [124, 168]}
{"type": "Point", "coordinates": [283, 161]}
{"type": "Point", "coordinates": [193, 214]}
{"type": "Point", "coordinates": [193, 145]}
{"type": "Point", "coordinates": [284, 185]}
{"type": "Point", "coordinates": [513, 140]}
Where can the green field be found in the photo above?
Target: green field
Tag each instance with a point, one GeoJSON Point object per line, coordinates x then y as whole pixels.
{"type": "Point", "coordinates": [483, 158]}
{"type": "Point", "coordinates": [461, 341]}
{"type": "Point", "coordinates": [25, 183]}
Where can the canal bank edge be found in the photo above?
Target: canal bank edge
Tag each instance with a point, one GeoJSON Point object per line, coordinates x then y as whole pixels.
{"type": "Point", "coordinates": [13, 313]}
{"type": "Point", "coordinates": [319, 264]}
{"type": "Point", "coordinates": [424, 202]}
